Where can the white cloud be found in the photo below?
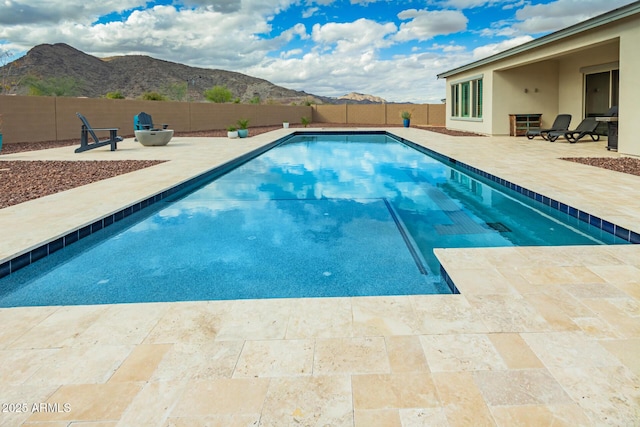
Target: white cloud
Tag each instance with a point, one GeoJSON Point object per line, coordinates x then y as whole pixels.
{"type": "Point", "coordinates": [308, 13]}
{"type": "Point", "coordinates": [470, 4]}
{"type": "Point", "coordinates": [353, 36]}
{"type": "Point", "coordinates": [425, 24]}
{"type": "Point", "coordinates": [493, 48]}
{"type": "Point", "coordinates": [449, 47]}
{"type": "Point", "coordinates": [19, 12]}
{"type": "Point", "coordinates": [559, 14]}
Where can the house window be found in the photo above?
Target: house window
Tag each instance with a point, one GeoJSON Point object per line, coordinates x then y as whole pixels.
{"type": "Point", "coordinates": [466, 99]}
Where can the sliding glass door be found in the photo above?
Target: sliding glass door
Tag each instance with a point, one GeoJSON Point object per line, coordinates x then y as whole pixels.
{"type": "Point", "coordinates": [601, 93]}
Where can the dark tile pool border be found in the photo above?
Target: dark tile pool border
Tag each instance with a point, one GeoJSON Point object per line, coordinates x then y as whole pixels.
{"type": "Point", "coordinates": [48, 248]}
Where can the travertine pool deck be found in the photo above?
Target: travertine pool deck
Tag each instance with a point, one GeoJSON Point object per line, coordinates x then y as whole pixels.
{"type": "Point", "coordinates": [538, 336]}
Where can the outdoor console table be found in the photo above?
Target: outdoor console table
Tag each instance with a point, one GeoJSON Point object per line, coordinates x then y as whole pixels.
{"type": "Point", "coordinates": [612, 138]}
{"type": "Point", "coordinates": [154, 137]}
{"type": "Point", "coordinates": [519, 124]}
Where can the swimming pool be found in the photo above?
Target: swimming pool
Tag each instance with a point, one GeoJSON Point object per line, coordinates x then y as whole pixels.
{"type": "Point", "coordinates": [319, 215]}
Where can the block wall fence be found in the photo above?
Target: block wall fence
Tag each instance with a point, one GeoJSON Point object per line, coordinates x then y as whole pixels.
{"type": "Point", "coordinates": [37, 118]}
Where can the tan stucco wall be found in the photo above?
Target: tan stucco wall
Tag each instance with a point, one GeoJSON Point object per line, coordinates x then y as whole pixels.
{"type": "Point", "coordinates": [36, 118]}
{"type": "Point", "coordinates": [558, 64]}
{"type": "Point", "coordinates": [628, 140]}
{"type": "Point", "coordinates": [541, 83]}
{"type": "Point", "coordinates": [380, 114]}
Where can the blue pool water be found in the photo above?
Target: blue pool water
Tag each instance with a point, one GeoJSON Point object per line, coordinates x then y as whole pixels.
{"type": "Point", "coordinates": [317, 216]}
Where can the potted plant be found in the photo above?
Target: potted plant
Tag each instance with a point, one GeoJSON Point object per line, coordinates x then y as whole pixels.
{"type": "Point", "coordinates": [243, 132]}
{"type": "Point", "coordinates": [232, 132]}
{"type": "Point", "coordinates": [285, 124]}
{"type": "Point", "coordinates": [406, 118]}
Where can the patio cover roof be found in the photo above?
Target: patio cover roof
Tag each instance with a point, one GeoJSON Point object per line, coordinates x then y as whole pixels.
{"type": "Point", "coordinates": [597, 21]}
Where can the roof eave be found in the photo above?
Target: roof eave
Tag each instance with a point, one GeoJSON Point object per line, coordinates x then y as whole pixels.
{"type": "Point", "coordinates": [589, 24]}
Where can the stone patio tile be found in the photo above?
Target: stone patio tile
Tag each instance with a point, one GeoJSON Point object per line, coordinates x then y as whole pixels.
{"type": "Point", "coordinates": [406, 354]}
{"type": "Point", "coordinates": [623, 313]}
{"type": "Point", "coordinates": [123, 324]}
{"type": "Point", "coordinates": [60, 328]}
{"type": "Point", "coordinates": [446, 314]}
{"type": "Point", "coordinates": [223, 396]}
{"type": "Point", "coordinates": [81, 365]}
{"type": "Point", "coordinates": [461, 399]}
{"type": "Point", "coordinates": [377, 417]}
{"type": "Point", "coordinates": [152, 405]}
{"type": "Point", "coordinates": [552, 311]}
{"type": "Point", "coordinates": [275, 358]}
{"type": "Point", "coordinates": [90, 402]}
{"type": "Point", "coordinates": [188, 322]}
{"type": "Point", "coordinates": [549, 256]}
{"type": "Point", "coordinates": [568, 415]}
{"type": "Point", "coordinates": [19, 365]}
{"type": "Point", "coordinates": [595, 327]}
{"type": "Point", "coordinates": [265, 319]}
{"type": "Point", "coordinates": [517, 387]}
{"type": "Point", "coordinates": [514, 351]}
{"type": "Point", "coordinates": [19, 320]}
{"type": "Point", "coordinates": [383, 316]}
{"type": "Point", "coordinates": [394, 391]}
{"type": "Point", "coordinates": [423, 417]}
{"type": "Point", "coordinates": [617, 274]}
{"type": "Point", "coordinates": [462, 352]}
{"type": "Point", "coordinates": [141, 363]}
{"type": "Point", "coordinates": [200, 362]}
{"type": "Point", "coordinates": [570, 305]}
{"type": "Point", "coordinates": [564, 350]}
{"type": "Point", "coordinates": [358, 355]}
{"type": "Point", "coordinates": [609, 395]}
{"type": "Point", "coordinates": [594, 290]}
{"type": "Point", "coordinates": [508, 313]}
{"type": "Point", "coordinates": [626, 351]}
{"type": "Point", "coordinates": [236, 420]}
{"type": "Point", "coordinates": [26, 396]}
{"type": "Point", "coordinates": [558, 275]}
{"type": "Point", "coordinates": [323, 400]}
{"type": "Point", "coordinates": [320, 318]}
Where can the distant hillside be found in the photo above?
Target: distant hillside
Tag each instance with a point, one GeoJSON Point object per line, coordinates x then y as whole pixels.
{"type": "Point", "coordinates": [361, 97]}
{"type": "Point", "coordinates": [133, 75]}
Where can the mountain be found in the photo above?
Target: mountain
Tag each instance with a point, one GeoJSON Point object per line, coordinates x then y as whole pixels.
{"type": "Point", "coordinates": [363, 98]}
{"type": "Point", "coordinates": [133, 75]}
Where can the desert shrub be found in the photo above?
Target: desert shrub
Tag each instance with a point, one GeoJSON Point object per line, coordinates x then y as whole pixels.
{"type": "Point", "coordinates": [218, 94]}
{"type": "Point", "coordinates": [53, 86]}
{"type": "Point", "coordinates": [153, 96]}
{"type": "Point", "coordinates": [115, 95]}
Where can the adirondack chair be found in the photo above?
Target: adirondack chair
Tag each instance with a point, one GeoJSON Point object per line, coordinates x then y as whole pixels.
{"type": "Point", "coordinates": [87, 131]}
{"type": "Point", "coordinates": [143, 121]}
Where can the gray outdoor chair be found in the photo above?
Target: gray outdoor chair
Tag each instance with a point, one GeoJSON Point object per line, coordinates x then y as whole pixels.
{"type": "Point", "coordinates": [586, 127]}
{"type": "Point", "coordinates": [87, 131]}
{"type": "Point", "coordinates": [143, 121]}
{"type": "Point", "coordinates": [561, 123]}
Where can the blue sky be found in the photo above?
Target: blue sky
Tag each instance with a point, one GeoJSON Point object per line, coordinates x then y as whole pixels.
{"type": "Point", "coordinates": [391, 49]}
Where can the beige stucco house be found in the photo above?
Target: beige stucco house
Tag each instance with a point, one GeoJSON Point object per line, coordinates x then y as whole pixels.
{"type": "Point", "coordinates": [581, 70]}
